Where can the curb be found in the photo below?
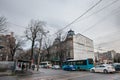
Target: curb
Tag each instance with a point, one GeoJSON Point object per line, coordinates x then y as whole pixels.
{"type": "Point", "coordinates": [10, 74]}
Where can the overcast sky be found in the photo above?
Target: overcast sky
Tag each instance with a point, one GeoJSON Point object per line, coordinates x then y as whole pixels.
{"type": "Point", "coordinates": [103, 27]}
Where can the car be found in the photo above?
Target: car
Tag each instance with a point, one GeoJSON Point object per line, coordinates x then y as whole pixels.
{"type": "Point", "coordinates": [116, 66]}
{"type": "Point", "coordinates": [45, 64]}
{"type": "Point", "coordinates": [103, 68]}
{"type": "Point", "coordinates": [69, 68]}
{"type": "Point", "coordinates": [55, 67]}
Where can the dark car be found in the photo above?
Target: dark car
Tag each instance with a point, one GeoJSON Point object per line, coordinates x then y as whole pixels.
{"type": "Point", "coordinates": [69, 68]}
{"type": "Point", "coordinates": [117, 66]}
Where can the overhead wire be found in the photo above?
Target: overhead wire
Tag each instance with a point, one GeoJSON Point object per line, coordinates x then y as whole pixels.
{"type": "Point", "coordinates": [79, 16]}
{"type": "Point", "coordinates": [106, 6]}
{"type": "Point", "coordinates": [16, 24]}
{"type": "Point", "coordinates": [72, 21]}
{"type": "Point", "coordinates": [101, 46]}
{"type": "Point", "coordinates": [82, 16]}
{"type": "Point", "coordinates": [98, 22]}
{"type": "Point", "coordinates": [89, 16]}
{"type": "Point", "coordinates": [110, 35]}
{"type": "Point", "coordinates": [101, 19]}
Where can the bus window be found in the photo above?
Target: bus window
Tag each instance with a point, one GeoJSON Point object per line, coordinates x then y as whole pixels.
{"type": "Point", "coordinates": [78, 63]}
{"type": "Point", "coordinates": [84, 62]}
{"type": "Point", "coordinates": [90, 61]}
{"type": "Point", "coordinates": [81, 62]}
{"type": "Point", "coordinates": [74, 63]}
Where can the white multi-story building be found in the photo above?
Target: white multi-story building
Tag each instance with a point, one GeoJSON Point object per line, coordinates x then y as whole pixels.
{"type": "Point", "coordinates": [82, 47]}
{"type": "Point", "coordinates": [75, 46]}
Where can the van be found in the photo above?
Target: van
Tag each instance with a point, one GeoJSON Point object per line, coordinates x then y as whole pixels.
{"type": "Point", "coordinates": [46, 64]}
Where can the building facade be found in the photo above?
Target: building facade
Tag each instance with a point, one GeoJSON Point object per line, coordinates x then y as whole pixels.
{"type": "Point", "coordinates": [82, 47]}
{"type": "Point", "coordinates": [7, 42]}
{"type": "Point", "coordinates": [75, 46]}
{"type": "Point", "coordinates": [106, 57]}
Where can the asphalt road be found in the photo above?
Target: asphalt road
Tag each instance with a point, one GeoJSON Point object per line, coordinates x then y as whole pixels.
{"type": "Point", "coordinates": [50, 74]}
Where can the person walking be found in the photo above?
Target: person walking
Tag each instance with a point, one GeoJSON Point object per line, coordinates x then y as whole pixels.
{"type": "Point", "coordinates": [23, 66]}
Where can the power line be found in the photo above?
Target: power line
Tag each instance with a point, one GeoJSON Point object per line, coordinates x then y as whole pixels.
{"type": "Point", "coordinates": [113, 33]}
{"type": "Point", "coordinates": [90, 15]}
{"type": "Point", "coordinates": [110, 43]}
{"type": "Point", "coordinates": [79, 16]}
{"type": "Point", "coordinates": [100, 10]}
{"type": "Point", "coordinates": [98, 22]}
{"type": "Point", "coordinates": [16, 25]}
{"type": "Point", "coordinates": [72, 21]}
{"type": "Point", "coordinates": [104, 43]}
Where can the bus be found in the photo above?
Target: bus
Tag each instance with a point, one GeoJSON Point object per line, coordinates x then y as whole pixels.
{"type": "Point", "coordinates": [84, 64]}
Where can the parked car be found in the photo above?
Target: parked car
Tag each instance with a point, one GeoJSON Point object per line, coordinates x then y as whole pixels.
{"type": "Point", "coordinates": [116, 66]}
{"type": "Point", "coordinates": [45, 64]}
{"type": "Point", "coordinates": [69, 68]}
{"type": "Point", "coordinates": [103, 68]}
{"type": "Point", "coordinates": [55, 67]}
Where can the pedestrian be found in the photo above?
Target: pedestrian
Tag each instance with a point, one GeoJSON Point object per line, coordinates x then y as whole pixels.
{"type": "Point", "coordinates": [19, 65]}
{"type": "Point", "coordinates": [33, 67]}
{"type": "Point", "coordinates": [26, 67]}
{"type": "Point", "coordinates": [23, 66]}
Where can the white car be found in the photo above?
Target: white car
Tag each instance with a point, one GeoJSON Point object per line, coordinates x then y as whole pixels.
{"type": "Point", "coordinates": [103, 68]}
{"type": "Point", "coordinates": [55, 67]}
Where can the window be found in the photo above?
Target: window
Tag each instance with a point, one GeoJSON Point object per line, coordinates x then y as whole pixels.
{"type": "Point", "coordinates": [81, 62]}
{"type": "Point", "coordinates": [117, 65]}
{"type": "Point", "coordinates": [43, 63]}
{"type": "Point", "coordinates": [65, 63]}
{"type": "Point", "coordinates": [84, 62]}
{"type": "Point", "coordinates": [102, 66]}
{"type": "Point", "coordinates": [90, 61]}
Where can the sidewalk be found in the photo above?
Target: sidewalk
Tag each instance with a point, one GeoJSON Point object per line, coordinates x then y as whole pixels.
{"type": "Point", "coordinates": [28, 72]}
{"type": "Point", "coordinates": [19, 73]}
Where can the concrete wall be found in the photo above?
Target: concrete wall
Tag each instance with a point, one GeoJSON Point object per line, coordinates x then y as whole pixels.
{"type": "Point", "coordinates": [6, 64]}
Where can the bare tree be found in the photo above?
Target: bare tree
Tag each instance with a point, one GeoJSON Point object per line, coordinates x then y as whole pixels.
{"type": "Point", "coordinates": [60, 47]}
{"type": "Point", "coordinates": [3, 24]}
{"type": "Point", "coordinates": [46, 46]}
{"type": "Point", "coordinates": [33, 33]}
{"type": "Point", "coordinates": [14, 44]}
{"type": "Point", "coordinates": [42, 33]}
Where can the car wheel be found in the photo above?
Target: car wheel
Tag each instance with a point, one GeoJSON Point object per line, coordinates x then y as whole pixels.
{"type": "Point", "coordinates": [92, 70]}
{"type": "Point", "coordinates": [105, 71]}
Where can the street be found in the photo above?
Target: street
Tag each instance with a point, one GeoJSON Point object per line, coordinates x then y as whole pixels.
{"type": "Point", "coordinates": [51, 74]}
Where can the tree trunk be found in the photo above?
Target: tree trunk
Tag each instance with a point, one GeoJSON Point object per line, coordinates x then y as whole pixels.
{"type": "Point", "coordinates": [39, 54]}
{"type": "Point", "coordinates": [31, 57]}
{"type": "Point", "coordinates": [12, 55]}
